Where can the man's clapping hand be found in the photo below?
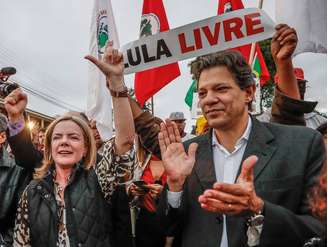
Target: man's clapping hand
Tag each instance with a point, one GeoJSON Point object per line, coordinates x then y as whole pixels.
{"type": "Point", "coordinates": [234, 199]}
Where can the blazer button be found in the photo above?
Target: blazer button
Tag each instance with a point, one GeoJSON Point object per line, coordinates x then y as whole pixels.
{"type": "Point", "coordinates": [39, 187]}
{"type": "Point", "coordinates": [80, 245]}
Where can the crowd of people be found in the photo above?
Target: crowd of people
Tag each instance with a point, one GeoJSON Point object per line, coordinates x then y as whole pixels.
{"type": "Point", "coordinates": [239, 182]}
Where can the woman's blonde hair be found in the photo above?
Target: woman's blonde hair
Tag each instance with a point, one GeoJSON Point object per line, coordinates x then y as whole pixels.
{"type": "Point", "coordinates": [90, 157]}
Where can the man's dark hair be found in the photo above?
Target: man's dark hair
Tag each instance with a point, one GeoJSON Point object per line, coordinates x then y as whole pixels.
{"type": "Point", "coordinates": [234, 62]}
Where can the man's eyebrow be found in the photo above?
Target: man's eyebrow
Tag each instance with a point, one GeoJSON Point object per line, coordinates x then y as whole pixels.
{"type": "Point", "coordinates": [215, 85]}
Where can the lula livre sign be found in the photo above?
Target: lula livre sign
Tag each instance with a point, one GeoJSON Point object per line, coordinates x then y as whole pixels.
{"type": "Point", "coordinates": [199, 38]}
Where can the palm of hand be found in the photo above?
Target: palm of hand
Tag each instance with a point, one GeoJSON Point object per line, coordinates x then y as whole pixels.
{"type": "Point", "coordinates": [177, 163]}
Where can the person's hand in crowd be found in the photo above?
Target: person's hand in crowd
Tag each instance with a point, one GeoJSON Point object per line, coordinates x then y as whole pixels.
{"type": "Point", "coordinates": [111, 65]}
{"type": "Point", "coordinates": [234, 199]}
{"type": "Point", "coordinates": [15, 105]}
{"type": "Point", "coordinates": [283, 43]}
{"type": "Point", "coordinates": [177, 163]}
{"type": "Point", "coordinates": [154, 190]}
{"type": "Point", "coordinates": [134, 190]}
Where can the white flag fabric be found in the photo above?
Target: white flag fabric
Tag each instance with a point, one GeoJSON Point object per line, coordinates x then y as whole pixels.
{"type": "Point", "coordinates": [309, 18]}
{"type": "Point", "coordinates": [99, 103]}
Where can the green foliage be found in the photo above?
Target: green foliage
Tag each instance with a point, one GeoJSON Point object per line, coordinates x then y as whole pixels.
{"type": "Point", "coordinates": [268, 89]}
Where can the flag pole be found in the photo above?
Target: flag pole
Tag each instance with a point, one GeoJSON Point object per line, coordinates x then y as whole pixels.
{"type": "Point", "coordinates": [251, 55]}
{"type": "Point", "coordinates": [152, 106]}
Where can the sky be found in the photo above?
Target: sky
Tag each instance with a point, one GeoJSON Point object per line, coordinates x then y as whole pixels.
{"type": "Point", "coordinates": [47, 40]}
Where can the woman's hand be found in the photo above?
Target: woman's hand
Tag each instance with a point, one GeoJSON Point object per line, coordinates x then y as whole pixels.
{"type": "Point", "coordinates": [111, 65]}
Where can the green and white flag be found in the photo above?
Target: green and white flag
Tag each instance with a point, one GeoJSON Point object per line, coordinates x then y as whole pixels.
{"type": "Point", "coordinates": [190, 94]}
{"type": "Point", "coordinates": [256, 104]}
{"type": "Point", "coordinates": [99, 103]}
{"type": "Point", "coordinates": [191, 100]}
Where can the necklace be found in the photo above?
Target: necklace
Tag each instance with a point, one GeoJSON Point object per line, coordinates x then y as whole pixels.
{"type": "Point", "coordinates": [61, 186]}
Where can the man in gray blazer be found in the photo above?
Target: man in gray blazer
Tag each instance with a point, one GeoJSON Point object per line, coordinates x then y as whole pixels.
{"type": "Point", "coordinates": [211, 198]}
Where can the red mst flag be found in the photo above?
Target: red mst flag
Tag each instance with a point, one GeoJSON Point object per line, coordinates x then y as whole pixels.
{"type": "Point", "coordinates": [149, 82]}
{"type": "Point", "coordinates": [258, 62]}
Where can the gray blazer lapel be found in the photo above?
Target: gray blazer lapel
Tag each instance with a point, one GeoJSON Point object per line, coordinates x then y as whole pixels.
{"type": "Point", "coordinates": [260, 143]}
{"type": "Point", "coordinates": [204, 166]}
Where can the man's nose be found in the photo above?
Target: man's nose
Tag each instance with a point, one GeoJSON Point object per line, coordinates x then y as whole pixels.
{"type": "Point", "coordinates": [210, 98]}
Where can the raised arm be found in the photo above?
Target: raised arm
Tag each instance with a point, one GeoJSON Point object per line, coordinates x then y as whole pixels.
{"type": "Point", "coordinates": [118, 161]}
{"type": "Point", "coordinates": [287, 106]}
{"type": "Point", "coordinates": [112, 67]}
{"type": "Point", "coordinates": [282, 48]}
{"type": "Point", "coordinates": [19, 138]}
{"type": "Point", "coordinates": [177, 163]}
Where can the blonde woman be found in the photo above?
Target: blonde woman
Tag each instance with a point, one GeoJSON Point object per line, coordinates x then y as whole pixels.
{"type": "Point", "coordinates": [67, 203]}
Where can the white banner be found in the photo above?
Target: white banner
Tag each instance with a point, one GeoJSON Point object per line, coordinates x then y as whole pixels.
{"type": "Point", "coordinates": [213, 34]}
{"type": "Point", "coordinates": [99, 104]}
{"type": "Point", "coordinates": [309, 18]}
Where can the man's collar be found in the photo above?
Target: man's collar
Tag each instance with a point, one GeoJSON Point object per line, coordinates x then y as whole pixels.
{"type": "Point", "coordinates": [247, 131]}
{"type": "Point", "coordinates": [245, 135]}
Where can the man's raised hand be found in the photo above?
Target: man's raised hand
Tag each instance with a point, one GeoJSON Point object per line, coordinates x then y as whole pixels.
{"type": "Point", "coordinates": [177, 163]}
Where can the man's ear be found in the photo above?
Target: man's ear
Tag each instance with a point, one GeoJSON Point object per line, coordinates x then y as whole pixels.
{"type": "Point", "coordinates": [250, 93]}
